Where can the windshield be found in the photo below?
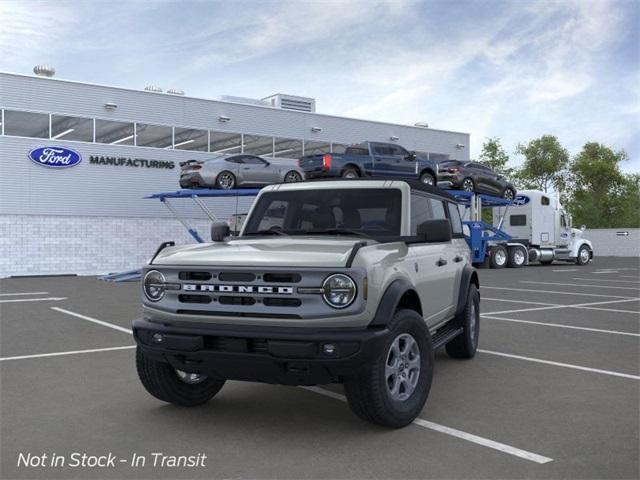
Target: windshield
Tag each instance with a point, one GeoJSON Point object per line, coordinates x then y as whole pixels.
{"type": "Point", "coordinates": [365, 212]}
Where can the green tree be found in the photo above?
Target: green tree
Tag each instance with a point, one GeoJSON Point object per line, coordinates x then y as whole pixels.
{"type": "Point", "coordinates": [494, 156]}
{"type": "Point", "coordinates": [545, 164]}
{"type": "Point", "coordinates": [600, 195]}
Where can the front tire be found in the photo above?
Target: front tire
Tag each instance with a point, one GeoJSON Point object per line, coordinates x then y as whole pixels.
{"type": "Point", "coordinates": [466, 344]}
{"type": "Point", "coordinates": [584, 255]}
{"type": "Point", "coordinates": [170, 385]}
{"type": "Point", "coordinates": [468, 185]}
{"type": "Point", "coordinates": [427, 178]}
{"type": "Point", "coordinates": [508, 194]}
{"type": "Point", "coordinates": [226, 180]}
{"type": "Point", "coordinates": [392, 389]}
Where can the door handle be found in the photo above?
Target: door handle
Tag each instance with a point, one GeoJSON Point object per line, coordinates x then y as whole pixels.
{"type": "Point", "coordinates": [458, 259]}
{"type": "Point", "coordinates": [441, 262]}
{"type": "Point", "coordinates": [246, 168]}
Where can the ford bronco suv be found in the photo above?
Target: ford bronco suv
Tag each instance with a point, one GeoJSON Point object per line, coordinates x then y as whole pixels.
{"type": "Point", "coordinates": [342, 281]}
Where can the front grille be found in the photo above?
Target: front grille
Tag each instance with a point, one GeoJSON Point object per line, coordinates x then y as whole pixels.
{"type": "Point", "coordinates": [194, 298]}
{"type": "Point", "coordinates": [236, 277]}
{"type": "Point", "coordinates": [282, 277]}
{"type": "Point", "coordinates": [282, 302]}
{"type": "Point", "coordinates": [195, 276]}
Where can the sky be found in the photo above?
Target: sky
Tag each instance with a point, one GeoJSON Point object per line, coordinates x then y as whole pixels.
{"type": "Point", "coordinates": [509, 69]}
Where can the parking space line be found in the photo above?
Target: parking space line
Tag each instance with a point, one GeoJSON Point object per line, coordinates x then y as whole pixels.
{"type": "Point", "coordinates": [581, 285]}
{"type": "Point", "coordinates": [71, 352]}
{"type": "Point", "coordinates": [518, 301]}
{"type": "Point", "coordinates": [560, 364]}
{"type": "Point", "coordinates": [534, 290]}
{"type": "Point", "coordinates": [47, 299]}
{"type": "Point", "coordinates": [566, 270]}
{"type": "Point", "coordinates": [469, 437]}
{"type": "Point", "coordinates": [93, 320]}
{"type": "Point", "coordinates": [588, 306]}
{"type": "Point", "coordinates": [561, 325]}
{"type": "Point", "coordinates": [604, 280]}
{"type": "Point", "coordinates": [22, 293]}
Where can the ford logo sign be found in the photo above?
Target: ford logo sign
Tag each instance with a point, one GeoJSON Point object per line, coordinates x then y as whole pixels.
{"type": "Point", "coordinates": [521, 200]}
{"type": "Point", "coordinates": [55, 157]}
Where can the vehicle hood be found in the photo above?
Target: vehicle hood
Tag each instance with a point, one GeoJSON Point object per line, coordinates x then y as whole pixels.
{"type": "Point", "coordinates": [307, 251]}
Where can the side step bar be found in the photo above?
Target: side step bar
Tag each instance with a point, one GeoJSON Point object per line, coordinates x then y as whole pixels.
{"type": "Point", "coordinates": [444, 335]}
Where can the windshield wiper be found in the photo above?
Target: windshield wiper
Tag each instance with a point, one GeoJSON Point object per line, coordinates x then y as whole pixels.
{"type": "Point", "coordinates": [265, 232]}
{"type": "Point", "coordinates": [334, 231]}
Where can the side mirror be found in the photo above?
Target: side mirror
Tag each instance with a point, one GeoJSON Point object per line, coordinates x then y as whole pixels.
{"type": "Point", "coordinates": [435, 231]}
{"type": "Point", "coordinates": [583, 228]}
{"type": "Point", "coordinates": [412, 156]}
{"type": "Point", "coordinates": [220, 231]}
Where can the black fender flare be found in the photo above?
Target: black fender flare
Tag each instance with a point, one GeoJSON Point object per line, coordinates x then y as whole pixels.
{"type": "Point", "coordinates": [389, 302]}
{"type": "Point", "coordinates": [428, 170]}
{"type": "Point", "coordinates": [469, 276]}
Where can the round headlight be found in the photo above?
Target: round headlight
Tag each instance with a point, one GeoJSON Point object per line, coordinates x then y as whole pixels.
{"type": "Point", "coordinates": [153, 285]}
{"type": "Point", "coordinates": [339, 290]}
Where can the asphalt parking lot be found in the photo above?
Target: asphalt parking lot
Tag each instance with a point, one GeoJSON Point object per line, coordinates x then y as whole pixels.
{"type": "Point", "coordinates": [553, 392]}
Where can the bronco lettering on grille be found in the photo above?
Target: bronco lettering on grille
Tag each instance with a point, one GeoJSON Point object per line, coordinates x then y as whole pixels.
{"type": "Point", "coordinates": [260, 289]}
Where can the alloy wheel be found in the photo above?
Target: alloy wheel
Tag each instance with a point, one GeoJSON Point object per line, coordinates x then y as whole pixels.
{"type": "Point", "coordinates": [402, 368]}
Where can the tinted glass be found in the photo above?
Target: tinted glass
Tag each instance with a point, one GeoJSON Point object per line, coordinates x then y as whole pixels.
{"type": "Point", "coordinates": [313, 148]}
{"type": "Point", "coordinates": [437, 209]}
{"type": "Point", "coordinates": [454, 216]}
{"type": "Point", "coordinates": [258, 145]}
{"type": "Point", "coordinates": [253, 160]}
{"type": "Point", "coordinates": [71, 128]}
{"type": "Point", "coordinates": [287, 148]}
{"type": "Point", "coordinates": [114, 132]}
{"type": "Point", "coordinates": [518, 220]}
{"type": "Point", "coordinates": [238, 159]}
{"type": "Point", "coordinates": [373, 212]}
{"type": "Point", "coordinates": [157, 136]}
{"type": "Point", "coordinates": [357, 151]}
{"type": "Point", "coordinates": [338, 148]}
{"type": "Point", "coordinates": [26, 124]}
{"type": "Point", "coordinates": [420, 211]}
{"type": "Point", "coordinates": [544, 201]}
{"type": "Point", "coordinates": [225, 142]}
{"type": "Point", "coordinates": [190, 139]}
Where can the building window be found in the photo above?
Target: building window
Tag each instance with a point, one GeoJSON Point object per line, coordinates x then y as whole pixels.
{"type": "Point", "coordinates": [190, 139]}
{"type": "Point", "coordinates": [338, 147]}
{"type": "Point", "coordinates": [26, 124]}
{"type": "Point", "coordinates": [258, 145]}
{"type": "Point", "coordinates": [315, 148]}
{"type": "Point", "coordinates": [225, 142]}
{"type": "Point", "coordinates": [287, 148]}
{"type": "Point", "coordinates": [114, 133]}
{"type": "Point", "coordinates": [157, 136]}
{"type": "Point", "coordinates": [71, 128]}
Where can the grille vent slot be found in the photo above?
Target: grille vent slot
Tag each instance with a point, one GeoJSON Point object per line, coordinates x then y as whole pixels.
{"type": "Point", "coordinates": [195, 276]}
{"type": "Point", "coordinates": [229, 300]}
{"type": "Point", "coordinates": [282, 302]}
{"type": "Point", "coordinates": [194, 298]}
{"type": "Point", "coordinates": [236, 277]}
{"type": "Point", "coordinates": [282, 277]}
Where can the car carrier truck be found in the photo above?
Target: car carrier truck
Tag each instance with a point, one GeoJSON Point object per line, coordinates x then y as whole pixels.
{"type": "Point", "coordinates": [538, 222]}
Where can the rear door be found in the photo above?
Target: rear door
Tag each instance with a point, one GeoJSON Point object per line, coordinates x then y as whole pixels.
{"type": "Point", "coordinates": [383, 160]}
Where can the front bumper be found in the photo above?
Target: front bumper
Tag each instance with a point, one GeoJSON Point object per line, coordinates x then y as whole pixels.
{"type": "Point", "coordinates": [288, 356]}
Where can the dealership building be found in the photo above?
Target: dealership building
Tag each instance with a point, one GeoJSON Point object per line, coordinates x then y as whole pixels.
{"type": "Point", "coordinates": [92, 217]}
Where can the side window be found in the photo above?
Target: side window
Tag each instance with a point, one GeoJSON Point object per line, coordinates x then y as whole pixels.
{"type": "Point", "coordinates": [252, 160]}
{"type": "Point", "coordinates": [454, 216]}
{"type": "Point", "coordinates": [518, 220]}
{"type": "Point", "coordinates": [544, 201]}
{"type": "Point", "coordinates": [234, 160]}
{"type": "Point", "coordinates": [437, 209]}
{"type": "Point", "coordinates": [420, 211]}
{"type": "Point", "coordinates": [399, 151]}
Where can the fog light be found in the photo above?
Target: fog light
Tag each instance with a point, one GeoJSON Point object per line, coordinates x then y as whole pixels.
{"type": "Point", "coordinates": [329, 348]}
{"type": "Point", "coordinates": [157, 338]}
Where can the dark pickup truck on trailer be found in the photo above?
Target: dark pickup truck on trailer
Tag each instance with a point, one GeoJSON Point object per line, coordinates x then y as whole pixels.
{"type": "Point", "coordinates": [371, 159]}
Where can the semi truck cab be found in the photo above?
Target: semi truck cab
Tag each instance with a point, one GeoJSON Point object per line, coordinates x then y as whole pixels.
{"type": "Point", "coordinates": [538, 221]}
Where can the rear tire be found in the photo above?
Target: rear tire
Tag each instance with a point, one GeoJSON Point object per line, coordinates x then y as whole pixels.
{"type": "Point", "coordinates": [517, 257]}
{"type": "Point", "coordinates": [498, 256]}
{"type": "Point", "coordinates": [466, 344]}
{"type": "Point", "coordinates": [376, 394]}
{"type": "Point", "coordinates": [468, 185]}
{"type": "Point", "coordinates": [508, 194]}
{"type": "Point", "coordinates": [164, 382]}
{"type": "Point", "coordinates": [292, 177]}
{"type": "Point", "coordinates": [226, 180]}
{"type": "Point", "coordinates": [350, 172]}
